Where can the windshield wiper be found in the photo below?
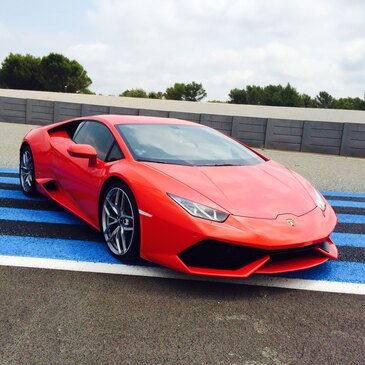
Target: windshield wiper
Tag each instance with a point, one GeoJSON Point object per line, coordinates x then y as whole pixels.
{"type": "Point", "coordinates": [156, 161]}
{"type": "Point", "coordinates": [171, 162]}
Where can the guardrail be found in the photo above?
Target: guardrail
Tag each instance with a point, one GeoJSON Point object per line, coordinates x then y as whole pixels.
{"type": "Point", "coordinates": [336, 132]}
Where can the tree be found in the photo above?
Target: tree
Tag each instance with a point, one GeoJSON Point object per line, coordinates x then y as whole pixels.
{"type": "Point", "coordinates": [349, 103]}
{"type": "Point", "coordinates": [324, 100]}
{"type": "Point", "coordinates": [270, 95]}
{"type": "Point", "coordinates": [188, 92]}
{"type": "Point", "coordinates": [134, 93]}
{"type": "Point", "coordinates": [175, 92]}
{"type": "Point", "coordinates": [20, 72]}
{"type": "Point", "coordinates": [58, 73]}
{"type": "Point", "coordinates": [237, 96]}
{"type": "Point", "coordinates": [307, 101]}
{"type": "Point", "coordinates": [155, 95]}
{"type": "Point", "coordinates": [86, 91]}
{"type": "Point", "coordinates": [194, 92]}
{"type": "Point", "coordinates": [254, 95]}
{"type": "Point", "coordinates": [276, 95]}
{"type": "Point", "coordinates": [287, 96]}
{"type": "Point", "coordinates": [54, 72]}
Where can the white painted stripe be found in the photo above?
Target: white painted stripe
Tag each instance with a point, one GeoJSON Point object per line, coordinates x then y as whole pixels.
{"type": "Point", "coordinates": [258, 280]}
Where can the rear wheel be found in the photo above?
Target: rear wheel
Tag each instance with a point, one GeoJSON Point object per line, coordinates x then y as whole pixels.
{"type": "Point", "coordinates": [120, 222]}
{"type": "Point", "coordinates": [26, 171]}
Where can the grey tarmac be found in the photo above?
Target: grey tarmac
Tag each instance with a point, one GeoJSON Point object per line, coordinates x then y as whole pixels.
{"type": "Point", "coordinates": [55, 317]}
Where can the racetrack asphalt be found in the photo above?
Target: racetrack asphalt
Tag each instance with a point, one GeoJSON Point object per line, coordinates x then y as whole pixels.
{"type": "Point", "coordinates": [56, 317]}
{"type": "Point", "coordinates": [61, 317]}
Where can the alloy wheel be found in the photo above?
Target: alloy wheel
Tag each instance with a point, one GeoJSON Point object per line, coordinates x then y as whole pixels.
{"type": "Point", "coordinates": [118, 221]}
{"type": "Point", "coordinates": [27, 171]}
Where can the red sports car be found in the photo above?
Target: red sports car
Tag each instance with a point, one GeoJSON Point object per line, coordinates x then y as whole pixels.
{"type": "Point", "coordinates": [179, 194]}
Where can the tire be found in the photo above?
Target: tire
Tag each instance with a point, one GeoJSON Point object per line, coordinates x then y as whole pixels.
{"type": "Point", "coordinates": [26, 171]}
{"type": "Point", "coordinates": [120, 222]}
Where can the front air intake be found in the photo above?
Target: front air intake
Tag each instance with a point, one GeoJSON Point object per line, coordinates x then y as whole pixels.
{"type": "Point", "coordinates": [212, 254]}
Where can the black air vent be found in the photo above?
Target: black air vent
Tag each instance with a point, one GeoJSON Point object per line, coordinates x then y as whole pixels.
{"type": "Point", "coordinates": [212, 254]}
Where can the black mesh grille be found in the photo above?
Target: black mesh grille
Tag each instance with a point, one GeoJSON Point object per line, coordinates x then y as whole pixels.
{"type": "Point", "coordinates": [212, 254]}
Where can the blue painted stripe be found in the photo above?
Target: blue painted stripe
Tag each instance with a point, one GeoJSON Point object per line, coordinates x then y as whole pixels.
{"type": "Point", "coordinates": [88, 251]}
{"type": "Point", "coordinates": [346, 203]}
{"type": "Point", "coordinates": [55, 249]}
{"type": "Point", "coordinates": [4, 169]}
{"type": "Point", "coordinates": [29, 215]}
{"type": "Point", "coordinates": [341, 271]}
{"type": "Point", "coordinates": [343, 193]}
{"type": "Point", "coordinates": [9, 180]}
{"type": "Point", "coordinates": [17, 194]}
{"type": "Point", "coordinates": [351, 218]}
{"type": "Point", "coordinates": [348, 239]}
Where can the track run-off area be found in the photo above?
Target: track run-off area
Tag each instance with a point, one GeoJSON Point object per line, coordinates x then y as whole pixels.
{"type": "Point", "coordinates": [36, 232]}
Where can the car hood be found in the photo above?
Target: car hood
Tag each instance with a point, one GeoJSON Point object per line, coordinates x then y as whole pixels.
{"type": "Point", "coordinates": [264, 190]}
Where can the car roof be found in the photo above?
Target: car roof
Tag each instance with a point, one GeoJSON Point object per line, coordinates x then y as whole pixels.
{"type": "Point", "coordinates": [134, 119]}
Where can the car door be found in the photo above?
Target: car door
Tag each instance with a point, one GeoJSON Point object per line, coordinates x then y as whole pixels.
{"type": "Point", "coordinates": [82, 181]}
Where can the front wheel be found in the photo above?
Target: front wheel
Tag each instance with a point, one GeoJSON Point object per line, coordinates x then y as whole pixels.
{"type": "Point", "coordinates": [26, 171]}
{"type": "Point", "coordinates": [120, 222]}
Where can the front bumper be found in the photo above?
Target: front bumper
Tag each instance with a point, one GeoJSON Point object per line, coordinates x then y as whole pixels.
{"type": "Point", "coordinates": [240, 246]}
{"type": "Point", "coordinates": [215, 258]}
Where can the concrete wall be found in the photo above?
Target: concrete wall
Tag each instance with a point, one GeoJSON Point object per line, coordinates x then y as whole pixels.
{"type": "Point", "coordinates": [345, 136]}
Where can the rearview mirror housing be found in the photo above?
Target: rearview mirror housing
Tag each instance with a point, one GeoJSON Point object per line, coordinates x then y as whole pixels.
{"type": "Point", "coordinates": [83, 151]}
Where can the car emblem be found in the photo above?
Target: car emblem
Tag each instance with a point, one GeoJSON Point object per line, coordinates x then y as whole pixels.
{"type": "Point", "coordinates": [291, 222]}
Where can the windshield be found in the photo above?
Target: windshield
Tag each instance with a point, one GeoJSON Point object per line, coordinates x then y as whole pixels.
{"type": "Point", "coordinates": [184, 145]}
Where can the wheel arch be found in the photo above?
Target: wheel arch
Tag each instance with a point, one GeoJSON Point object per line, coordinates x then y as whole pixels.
{"type": "Point", "coordinates": [24, 143]}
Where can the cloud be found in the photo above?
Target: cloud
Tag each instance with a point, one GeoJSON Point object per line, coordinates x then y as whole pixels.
{"type": "Point", "coordinates": [354, 55]}
{"type": "Point", "coordinates": [90, 53]}
{"type": "Point", "coordinates": [314, 45]}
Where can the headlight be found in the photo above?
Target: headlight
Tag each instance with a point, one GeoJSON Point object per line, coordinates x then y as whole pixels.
{"type": "Point", "coordinates": [199, 210]}
{"type": "Point", "coordinates": [319, 200]}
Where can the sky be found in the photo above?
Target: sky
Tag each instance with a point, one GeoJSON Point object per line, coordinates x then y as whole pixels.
{"type": "Point", "coordinates": [314, 45]}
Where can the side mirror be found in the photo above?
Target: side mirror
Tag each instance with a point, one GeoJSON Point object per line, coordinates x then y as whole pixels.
{"type": "Point", "coordinates": [83, 151]}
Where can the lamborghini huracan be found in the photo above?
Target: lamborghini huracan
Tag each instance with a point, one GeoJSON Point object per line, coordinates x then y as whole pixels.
{"type": "Point", "coordinates": [179, 194]}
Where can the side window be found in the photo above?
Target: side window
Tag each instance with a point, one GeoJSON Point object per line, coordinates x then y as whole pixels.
{"type": "Point", "coordinates": [97, 135]}
{"type": "Point", "coordinates": [77, 130]}
{"type": "Point", "coordinates": [115, 153]}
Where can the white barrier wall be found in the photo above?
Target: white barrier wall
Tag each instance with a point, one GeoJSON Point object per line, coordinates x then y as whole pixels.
{"type": "Point", "coordinates": [298, 129]}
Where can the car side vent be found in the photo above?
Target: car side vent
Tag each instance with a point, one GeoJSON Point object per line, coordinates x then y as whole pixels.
{"type": "Point", "coordinates": [50, 185]}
